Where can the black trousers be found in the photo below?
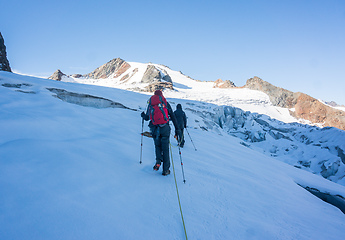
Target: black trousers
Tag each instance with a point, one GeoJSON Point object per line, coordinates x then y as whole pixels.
{"type": "Point", "coordinates": [161, 137]}
{"type": "Point", "coordinates": [180, 137]}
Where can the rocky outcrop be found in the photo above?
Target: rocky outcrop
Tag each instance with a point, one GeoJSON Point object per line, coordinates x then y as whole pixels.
{"type": "Point", "coordinates": [77, 75]}
{"type": "Point", "coordinates": [4, 63]}
{"type": "Point", "coordinates": [223, 84]}
{"type": "Point", "coordinates": [152, 74]}
{"type": "Point", "coordinates": [278, 96]}
{"type": "Point", "coordinates": [165, 76]}
{"type": "Point", "coordinates": [113, 68]}
{"type": "Point", "coordinates": [57, 75]}
{"type": "Point", "coordinates": [306, 107]}
{"type": "Point", "coordinates": [158, 86]}
{"type": "Point", "coordinates": [158, 79]}
{"type": "Point", "coordinates": [313, 110]}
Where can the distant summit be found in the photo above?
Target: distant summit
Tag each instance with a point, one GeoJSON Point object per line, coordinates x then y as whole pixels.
{"type": "Point", "coordinates": [118, 71]}
{"type": "Point", "coordinates": [305, 106]}
{"type": "Point", "coordinates": [113, 69]}
{"type": "Point", "coordinates": [4, 63]}
{"type": "Point", "coordinates": [57, 75]}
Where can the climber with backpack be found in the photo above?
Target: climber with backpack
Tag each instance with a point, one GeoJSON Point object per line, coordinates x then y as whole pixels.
{"type": "Point", "coordinates": [158, 112]}
{"type": "Point", "coordinates": [182, 123]}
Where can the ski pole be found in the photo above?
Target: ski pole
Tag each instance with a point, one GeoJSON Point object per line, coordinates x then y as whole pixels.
{"type": "Point", "coordinates": [142, 130]}
{"type": "Point", "coordinates": [191, 139]}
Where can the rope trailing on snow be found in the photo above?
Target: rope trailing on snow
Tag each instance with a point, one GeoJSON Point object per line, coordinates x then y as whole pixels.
{"type": "Point", "coordinates": [178, 195]}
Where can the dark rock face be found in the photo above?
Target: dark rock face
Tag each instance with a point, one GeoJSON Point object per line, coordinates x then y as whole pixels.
{"type": "Point", "coordinates": [165, 76]}
{"type": "Point", "coordinates": [4, 63]}
{"type": "Point", "coordinates": [116, 66]}
{"type": "Point", "coordinates": [57, 75]}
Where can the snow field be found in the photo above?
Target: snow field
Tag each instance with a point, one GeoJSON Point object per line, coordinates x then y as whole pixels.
{"type": "Point", "coordinates": [73, 172]}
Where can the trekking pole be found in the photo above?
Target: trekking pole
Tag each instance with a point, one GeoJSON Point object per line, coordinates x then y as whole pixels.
{"type": "Point", "coordinates": [191, 139]}
{"type": "Point", "coordinates": [142, 134]}
{"type": "Point", "coordinates": [179, 151]}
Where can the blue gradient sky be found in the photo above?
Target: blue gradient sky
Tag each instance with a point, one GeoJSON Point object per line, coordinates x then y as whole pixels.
{"type": "Point", "coordinates": [298, 45]}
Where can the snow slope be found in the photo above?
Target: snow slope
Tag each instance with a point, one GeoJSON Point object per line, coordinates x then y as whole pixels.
{"type": "Point", "coordinates": [72, 172]}
{"type": "Point", "coordinates": [248, 115]}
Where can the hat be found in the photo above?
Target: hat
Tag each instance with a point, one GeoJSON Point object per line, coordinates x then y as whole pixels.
{"type": "Point", "coordinates": [158, 92]}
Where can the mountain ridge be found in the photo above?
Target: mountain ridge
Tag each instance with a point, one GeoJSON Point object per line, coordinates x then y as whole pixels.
{"type": "Point", "coordinates": [306, 107]}
{"type": "Point", "coordinates": [155, 76]}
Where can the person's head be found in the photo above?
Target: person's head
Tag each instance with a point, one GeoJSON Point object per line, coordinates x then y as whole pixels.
{"type": "Point", "coordinates": [178, 106]}
{"type": "Point", "coordinates": [158, 92]}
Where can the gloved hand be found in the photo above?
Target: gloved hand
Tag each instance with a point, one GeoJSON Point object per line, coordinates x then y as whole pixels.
{"type": "Point", "coordinates": [143, 115]}
{"type": "Point", "coordinates": [177, 132]}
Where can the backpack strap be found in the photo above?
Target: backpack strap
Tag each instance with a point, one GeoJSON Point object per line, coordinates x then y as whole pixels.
{"type": "Point", "coordinates": [161, 108]}
{"type": "Point", "coordinates": [151, 111]}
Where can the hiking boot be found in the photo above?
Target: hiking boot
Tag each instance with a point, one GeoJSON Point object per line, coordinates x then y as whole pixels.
{"type": "Point", "coordinates": [167, 172]}
{"type": "Point", "coordinates": [156, 167]}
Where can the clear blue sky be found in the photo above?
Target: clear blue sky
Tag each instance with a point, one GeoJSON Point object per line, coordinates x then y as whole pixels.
{"type": "Point", "coordinates": [295, 44]}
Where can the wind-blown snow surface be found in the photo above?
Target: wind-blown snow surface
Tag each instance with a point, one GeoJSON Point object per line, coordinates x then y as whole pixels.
{"type": "Point", "coordinates": [72, 172]}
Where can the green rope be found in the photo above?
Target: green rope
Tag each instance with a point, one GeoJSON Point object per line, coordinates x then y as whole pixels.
{"type": "Point", "coordinates": [178, 195]}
